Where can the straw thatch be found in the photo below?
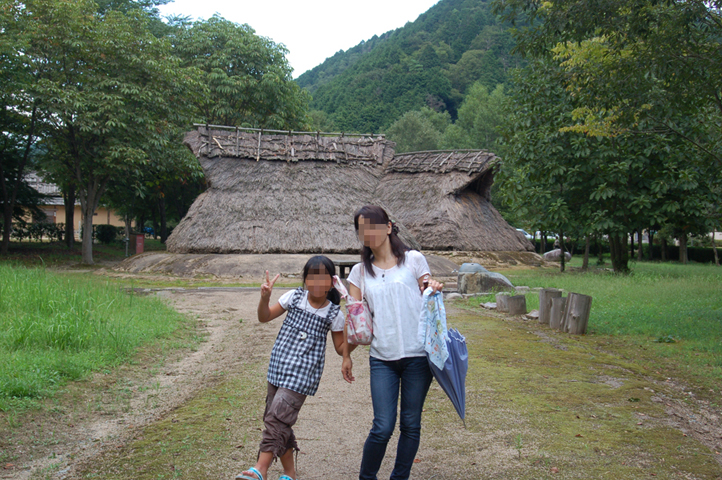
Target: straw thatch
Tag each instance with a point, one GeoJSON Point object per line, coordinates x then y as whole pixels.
{"type": "Point", "coordinates": [281, 193]}
{"type": "Point", "coordinates": [443, 198]}
{"type": "Point", "coordinates": [278, 206]}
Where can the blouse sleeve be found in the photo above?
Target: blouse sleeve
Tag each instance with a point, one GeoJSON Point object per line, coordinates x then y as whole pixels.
{"type": "Point", "coordinates": [339, 322]}
{"type": "Point", "coordinates": [418, 264]}
{"type": "Point", "coordinates": [355, 275]}
{"type": "Point", "coordinates": [286, 298]}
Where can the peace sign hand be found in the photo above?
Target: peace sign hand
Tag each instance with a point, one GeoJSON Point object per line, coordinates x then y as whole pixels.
{"type": "Point", "coordinates": [267, 286]}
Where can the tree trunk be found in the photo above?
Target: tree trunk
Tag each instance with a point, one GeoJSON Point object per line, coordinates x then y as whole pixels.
{"type": "Point", "coordinates": [516, 305]}
{"type": "Point", "coordinates": [546, 296]}
{"type": "Point", "coordinates": [714, 249]}
{"type": "Point", "coordinates": [557, 312]}
{"type": "Point", "coordinates": [620, 254]}
{"type": "Point", "coordinates": [600, 252]}
{"type": "Point", "coordinates": [639, 242]}
{"type": "Point", "coordinates": [501, 302]}
{"type": "Point", "coordinates": [69, 203]}
{"type": "Point", "coordinates": [631, 248]}
{"type": "Point", "coordinates": [651, 245]}
{"type": "Point", "coordinates": [576, 315]}
{"type": "Point", "coordinates": [543, 243]}
{"type": "Point", "coordinates": [89, 199]}
{"type": "Point", "coordinates": [683, 249]}
{"type": "Point", "coordinates": [585, 263]}
{"type": "Point", "coordinates": [7, 226]}
{"type": "Point", "coordinates": [561, 247]}
{"type": "Point", "coordinates": [663, 247]}
{"type": "Point", "coordinates": [163, 226]}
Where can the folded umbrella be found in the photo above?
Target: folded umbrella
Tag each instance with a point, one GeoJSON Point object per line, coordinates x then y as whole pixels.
{"type": "Point", "coordinates": [445, 350]}
{"type": "Point", "coordinates": [452, 377]}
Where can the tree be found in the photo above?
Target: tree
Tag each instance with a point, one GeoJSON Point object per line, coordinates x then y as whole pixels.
{"type": "Point", "coordinates": [480, 116]}
{"type": "Point", "coordinates": [18, 116]}
{"type": "Point", "coordinates": [248, 77]}
{"type": "Point", "coordinates": [109, 91]}
{"type": "Point", "coordinates": [418, 130]}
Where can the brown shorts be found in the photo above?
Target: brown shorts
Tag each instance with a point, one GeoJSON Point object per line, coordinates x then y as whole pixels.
{"type": "Point", "coordinates": [282, 407]}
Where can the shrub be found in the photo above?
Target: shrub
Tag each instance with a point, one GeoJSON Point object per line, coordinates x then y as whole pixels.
{"type": "Point", "coordinates": [106, 234]}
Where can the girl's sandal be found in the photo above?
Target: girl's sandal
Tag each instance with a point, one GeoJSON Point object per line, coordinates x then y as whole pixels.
{"type": "Point", "coordinates": [253, 470]}
{"type": "Point", "coordinates": [284, 477]}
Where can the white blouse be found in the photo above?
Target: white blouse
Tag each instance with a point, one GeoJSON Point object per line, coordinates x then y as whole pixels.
{"type": "Point", "coordinates": [395, 302]}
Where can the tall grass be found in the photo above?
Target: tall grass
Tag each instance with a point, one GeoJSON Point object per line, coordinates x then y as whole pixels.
{"type": "Point", "coordinates": [659, 301]}
{"type": "Point", "coordinates": [55, 328]}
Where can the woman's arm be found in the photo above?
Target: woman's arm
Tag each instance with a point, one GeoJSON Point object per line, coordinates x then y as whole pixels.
{"type": "Point", "coordinates": [266, 313]}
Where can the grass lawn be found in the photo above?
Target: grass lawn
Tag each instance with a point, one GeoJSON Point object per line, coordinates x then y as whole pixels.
{"type": "Point", "coordinates": [55, 328]}
{"type": "Point", "coordinates": [56, 254]}
{"type": "Point", "coordinates": [670, 310]}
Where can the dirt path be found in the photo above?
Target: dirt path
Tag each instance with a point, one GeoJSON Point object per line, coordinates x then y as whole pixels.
{"type": "Point", "coordinates": [332, 426]}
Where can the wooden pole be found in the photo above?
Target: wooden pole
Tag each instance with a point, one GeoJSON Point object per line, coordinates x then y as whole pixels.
{"type": "Point", "coordinates": [501, 302]}
{"type": "Point", "coordinates": [516, 305]}
{"type": "Point", "coordinates": [545, 303]}
{"type": "Point", "coordinates": [576, 314]}
{"type": "Point", "coordinates": [557, 312]}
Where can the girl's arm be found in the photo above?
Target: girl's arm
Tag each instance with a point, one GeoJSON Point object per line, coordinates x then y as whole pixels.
{"type": "Point", "coordinates": [266, 313]}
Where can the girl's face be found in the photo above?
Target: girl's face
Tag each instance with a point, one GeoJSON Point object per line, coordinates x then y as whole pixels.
{"type": "Point", "coordinates": [372, 235]}
{"type": "Point", "coordinates": [318, 283]}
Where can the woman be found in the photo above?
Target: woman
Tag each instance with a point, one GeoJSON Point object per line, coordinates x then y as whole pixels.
{"type": "Point", "coordinates": [393, 279]}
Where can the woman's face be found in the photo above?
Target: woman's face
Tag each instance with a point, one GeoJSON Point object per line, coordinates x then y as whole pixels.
{"type": "Point", "coordinates": [319, 283]}
{"type": "Point", "coordinates": [372, 235]}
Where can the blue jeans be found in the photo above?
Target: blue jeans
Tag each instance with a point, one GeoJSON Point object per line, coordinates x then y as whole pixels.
{"type": "Point", "coordinates": [413, 376]}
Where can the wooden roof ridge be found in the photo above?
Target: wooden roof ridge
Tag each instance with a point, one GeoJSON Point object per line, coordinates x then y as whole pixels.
{"type": "Point", "coordinates": [441, 161]}
{"type": "Point", "coordinates": [290, 146]}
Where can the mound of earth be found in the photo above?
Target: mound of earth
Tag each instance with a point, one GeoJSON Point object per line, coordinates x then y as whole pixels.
{"type": "Point", "coordinates": [247, 266]}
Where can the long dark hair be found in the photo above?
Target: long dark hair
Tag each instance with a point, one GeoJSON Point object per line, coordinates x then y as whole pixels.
{"type": "Point", "coordinates": [320, 264]}
{"type": "Point", "coordinates": [378, 216]}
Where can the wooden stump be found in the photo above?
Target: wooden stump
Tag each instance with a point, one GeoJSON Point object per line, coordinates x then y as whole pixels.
{"type": "Point", "coordinates": [516, 305]}
{"type": "Point", "coordinates": [545, 303]}
{"type": "Point", "coordinates": [501, 302]}
{"type": "Point", "coordinates": [557, 312]}
{"type": "Point", "coordinates": [576, 313]}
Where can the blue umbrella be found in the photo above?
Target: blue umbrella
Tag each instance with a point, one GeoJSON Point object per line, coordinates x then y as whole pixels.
{"type": "Point", "coordinates": [452, 377]}
{"type": "Point", "coordinates": [445, 350]}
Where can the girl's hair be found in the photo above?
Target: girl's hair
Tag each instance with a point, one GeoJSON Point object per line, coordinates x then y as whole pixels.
{"type": "Point", "coordinates": [322, 264]}
{"type": "Point", "coordinates": [378, 216]}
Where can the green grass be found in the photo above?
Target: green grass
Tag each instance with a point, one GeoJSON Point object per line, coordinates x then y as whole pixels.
{"type": "Point", "coordinates": [674, 309]}
{"type": "Point", "coordinates": [57, 328]}
{"type": "Point", "coordinates": [53, 254]}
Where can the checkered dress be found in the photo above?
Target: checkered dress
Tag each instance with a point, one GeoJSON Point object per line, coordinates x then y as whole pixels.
{"type": "Point", "coordinates": [299, 354]}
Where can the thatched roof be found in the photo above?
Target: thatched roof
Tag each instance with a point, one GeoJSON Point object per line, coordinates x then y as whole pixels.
{"type": "Point", "coordinates": [270, 192]}
{"type": "Point", "coordinates": [272, 206]}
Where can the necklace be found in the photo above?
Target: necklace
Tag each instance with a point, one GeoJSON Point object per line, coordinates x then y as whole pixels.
{"type": "Point", "coordinates": [315, 310]}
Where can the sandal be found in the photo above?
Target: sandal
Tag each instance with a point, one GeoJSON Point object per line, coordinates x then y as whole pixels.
{"type": "Point", "coordinates": [253, 470]}
{"type": "Point", "coordinates": [284, 477]}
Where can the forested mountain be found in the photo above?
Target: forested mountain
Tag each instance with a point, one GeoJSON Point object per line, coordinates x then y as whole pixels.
{"type": "Point", "coordinates": [430, 62]}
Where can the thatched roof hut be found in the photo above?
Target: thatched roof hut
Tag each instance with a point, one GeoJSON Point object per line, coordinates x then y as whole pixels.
{"type": "Point", "coordinates": [296, 193]}
{"type": "Point", "coordinates": [280, 193]}
{"type": "Point", "coordinates": [444, 199]}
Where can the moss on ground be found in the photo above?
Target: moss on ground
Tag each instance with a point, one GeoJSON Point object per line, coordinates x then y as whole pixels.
{"type": "Point", "coordinates": [540, 404]}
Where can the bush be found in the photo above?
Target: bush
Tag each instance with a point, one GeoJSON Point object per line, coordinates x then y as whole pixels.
{"type": "Point", "coordinates": [106, 234]}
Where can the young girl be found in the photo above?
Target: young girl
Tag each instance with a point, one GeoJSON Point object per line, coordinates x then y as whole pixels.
{"type": "Point", "coordinates": [297, 359]}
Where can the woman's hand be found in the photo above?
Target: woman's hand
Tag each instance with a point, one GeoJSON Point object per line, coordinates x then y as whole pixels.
{"type": "Point", "coordinates": [425, 282]}
{"type": "Point", "coordinates": [435, 286]}
{"type": "Point", "coordinates": [347, 368]}
{"type": "Point", "coordinates": [267, 286]}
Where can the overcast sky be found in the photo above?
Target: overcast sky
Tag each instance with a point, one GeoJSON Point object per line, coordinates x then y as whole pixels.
{"type": "Point", "coordinates": [312, 30]}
